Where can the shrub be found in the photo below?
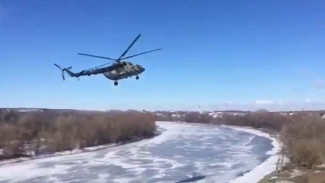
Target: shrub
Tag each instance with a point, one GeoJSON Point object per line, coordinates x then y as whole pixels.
{"type": "Point", "coordinates": [12, 139]}
{"type": "Point", "coordinates": [307, 153]}
{"type": "Point", "coordinates": [273, 121]}
{"type": "Point", "coordinates": [305, 138]}
{"type": "Point", "coordinates": [196, 117]}
{"type": "Point", "coordinates": [302, 179]}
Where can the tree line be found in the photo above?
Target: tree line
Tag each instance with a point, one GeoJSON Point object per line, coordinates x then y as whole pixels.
{"type": "Point", "coordinates": [49, 131]}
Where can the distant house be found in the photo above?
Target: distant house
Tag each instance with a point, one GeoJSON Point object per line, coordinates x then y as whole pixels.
{"type": "Point", "coordinates": [29, 110]}
{"type": "Point", "coordinates": [160, 114]}
{"type": "Point", "coordinates": [21, 110]}
{"type": "Point", "coordinates": [176, 115]}
{"type": "Point", "coordinates": [216, 114]}
{"type": "Point", "coordinates": [220, 114]}
{"type": "Point", "coordinates": [287, 113]}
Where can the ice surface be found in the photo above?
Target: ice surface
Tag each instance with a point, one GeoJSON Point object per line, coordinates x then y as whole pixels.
{"type": "Point", "coordinates": [267, 166]}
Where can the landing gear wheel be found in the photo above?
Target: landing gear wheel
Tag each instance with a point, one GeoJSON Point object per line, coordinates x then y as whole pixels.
{"type": "Point", "coordinates": [115, 83]}
{"type": "Point", "coordinates": [137, 77]}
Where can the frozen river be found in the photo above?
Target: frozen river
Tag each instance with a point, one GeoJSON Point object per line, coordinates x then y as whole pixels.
{"type": "Point", "coordinates": [181, 152]}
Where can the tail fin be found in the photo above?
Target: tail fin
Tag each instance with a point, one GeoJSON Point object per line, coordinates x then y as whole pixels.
{"type": "Point", "coordinates": [66, 70]}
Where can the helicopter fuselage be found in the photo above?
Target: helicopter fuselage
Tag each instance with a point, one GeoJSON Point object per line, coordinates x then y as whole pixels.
{"type": "Point", "coordinates": [128, 70]}
{"type": "Point", "coordinates": [120, 69]}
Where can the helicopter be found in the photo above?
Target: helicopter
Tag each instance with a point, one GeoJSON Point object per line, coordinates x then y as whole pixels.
{"type": "Point", "coordinates": [119, 69]}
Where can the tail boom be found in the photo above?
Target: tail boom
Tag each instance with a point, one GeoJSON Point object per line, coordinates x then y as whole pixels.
{"type": "Point", "coordinates": [67, 70]}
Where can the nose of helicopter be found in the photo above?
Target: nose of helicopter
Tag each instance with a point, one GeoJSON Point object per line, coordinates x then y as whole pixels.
{"type": "Point", "coordinates": [141, 68]}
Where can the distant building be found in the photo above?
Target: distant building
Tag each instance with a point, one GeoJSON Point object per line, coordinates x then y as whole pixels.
{"type": "Point", "coordinates": [176, 115]}
{"type": "Point", "coordinates": [216, 114]}
{"type": "Point", "coordinates": [287, 113]}
{"type": "Point", "coordinates": [160, 114]}
{"type": "Point", "coordinates": [30, 110]}
{"type": "Point", "coordinates": [220, 114]}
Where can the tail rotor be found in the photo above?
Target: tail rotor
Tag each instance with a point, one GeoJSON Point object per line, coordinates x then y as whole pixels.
{"type": "Point", "coordinates": [64, 69]}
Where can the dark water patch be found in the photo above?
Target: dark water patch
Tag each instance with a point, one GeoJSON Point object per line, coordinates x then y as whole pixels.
{"type": "Point", "coordinates": [150, 172]}
{"type": "Point", "coordinates": [124, 153]}
{"type": "Point", "coordinates": [261, 145]}
{"type": "Point", "coordinates": [98, 169]}
{"type": "Point", "coordinates": [237, 165]}
{"type": "Point", "coordinates": [240, 174]}
{"type": "Point", "coordinates": [263, 158]}
{"type": "Point", "coordinates": [217, 167]}
{"type": "Point", "coordinates": [138, 161]}
{"type": "Point", "coordinates": [38, 179]}
{"type": "Point", "coordinates": [194, 150]}
{"type": "Point", "coordinates": [81, 176]}
{"type": "Point", "coordinates": [47, 164]}
{"type": "Point", "coordinates": [193, 179]}
{"type": "Point", "coordinates": [166, 165]}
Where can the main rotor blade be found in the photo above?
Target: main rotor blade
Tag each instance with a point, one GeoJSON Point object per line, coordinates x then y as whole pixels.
{"type": "Point", "coordinates": [129, 47]}
{"type": "Point", "coordinates": [96, 56]}
{"type": "Point", "coordinates": [141, 53]}
{"type": "Point", "coordinates": [58, 66]}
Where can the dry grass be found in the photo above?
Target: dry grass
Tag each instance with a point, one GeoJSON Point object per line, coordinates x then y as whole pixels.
{"type": "Point", "coordinates": [305, 140]}
{"type": "Point", "coordinates": [306, 153]}
{"type": "Point", "coordinates": [310, 177]}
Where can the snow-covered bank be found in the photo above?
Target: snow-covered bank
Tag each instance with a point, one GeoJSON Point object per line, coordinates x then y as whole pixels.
{"type": "Point", "coordinates": [265, 168]}
{"type": "Point", "coordinates": [61, 153]}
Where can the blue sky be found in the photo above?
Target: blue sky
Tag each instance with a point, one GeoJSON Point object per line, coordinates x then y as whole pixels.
{"type": "Point", "coordinates": [216, 54]}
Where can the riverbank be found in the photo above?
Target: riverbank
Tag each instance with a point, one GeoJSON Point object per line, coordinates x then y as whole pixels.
{"type": "Point", "coordinates": [296, 175]}
{"type": "Point", "coordinates": [282, 170]}
{"type": "Point", "coordinates": [70, 152]}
